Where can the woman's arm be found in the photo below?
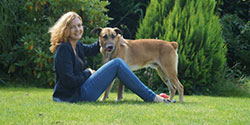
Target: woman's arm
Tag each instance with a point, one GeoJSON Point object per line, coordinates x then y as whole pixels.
{"type": "Point", "coordinates": [92, 49]}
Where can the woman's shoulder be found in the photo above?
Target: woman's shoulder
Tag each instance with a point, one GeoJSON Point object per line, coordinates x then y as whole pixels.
{"type": "Point", "coordinates": [65, 46]}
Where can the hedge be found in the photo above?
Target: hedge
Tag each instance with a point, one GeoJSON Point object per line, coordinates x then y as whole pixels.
{"type": "Point", "coordinates": [24, 36]}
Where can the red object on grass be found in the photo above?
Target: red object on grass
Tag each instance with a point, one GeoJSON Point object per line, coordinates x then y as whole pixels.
{"type": "Point", "coordinates": [164, 95]}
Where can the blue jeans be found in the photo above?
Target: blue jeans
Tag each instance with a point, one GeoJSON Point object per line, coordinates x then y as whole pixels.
{"type": "Point", "coordinates": [96, 84]}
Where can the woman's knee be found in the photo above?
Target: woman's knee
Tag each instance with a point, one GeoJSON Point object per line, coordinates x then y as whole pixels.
{"type": "Point", "coordinates": [118, 60]}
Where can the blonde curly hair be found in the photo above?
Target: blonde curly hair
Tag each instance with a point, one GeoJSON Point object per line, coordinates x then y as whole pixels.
{"type": "Point", "coordinates": [60, 30]}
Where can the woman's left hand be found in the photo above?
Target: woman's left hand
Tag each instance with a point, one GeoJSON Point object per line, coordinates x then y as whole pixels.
{"type": "Point", "coordinates": [91, 70]}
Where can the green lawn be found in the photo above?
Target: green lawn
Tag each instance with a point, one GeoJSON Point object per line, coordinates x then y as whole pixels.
{"type": "Point", "coordinates": [35, 106]}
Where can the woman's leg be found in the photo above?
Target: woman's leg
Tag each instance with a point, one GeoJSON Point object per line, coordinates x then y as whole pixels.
{"type": "Point", "coordinates": [95, 85]}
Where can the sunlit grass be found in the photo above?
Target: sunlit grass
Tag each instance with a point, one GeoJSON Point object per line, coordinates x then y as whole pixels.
{"type": "Point", "coordinates": [35, 106]}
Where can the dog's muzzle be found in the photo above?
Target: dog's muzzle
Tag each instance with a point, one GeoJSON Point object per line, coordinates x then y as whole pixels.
{"type": "Point", "coordinates": [109, 47]}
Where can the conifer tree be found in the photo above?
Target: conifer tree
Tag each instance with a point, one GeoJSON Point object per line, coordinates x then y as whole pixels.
{"type": "Point", "coordinates": [196, 28]}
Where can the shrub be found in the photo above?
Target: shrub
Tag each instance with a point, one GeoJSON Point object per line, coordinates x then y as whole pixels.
{"type": "Point", "coordinates": [235, 7]}
{"type": "Point", "coordinates": [236, 33]}
{"type": "Point", "coordinates": [25, 51]}
{"type": "Point", "coordinates": [194, 25]}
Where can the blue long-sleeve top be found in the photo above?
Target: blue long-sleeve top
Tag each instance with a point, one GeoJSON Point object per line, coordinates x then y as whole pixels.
{"type": "Point", "coordinates": [71, 72]}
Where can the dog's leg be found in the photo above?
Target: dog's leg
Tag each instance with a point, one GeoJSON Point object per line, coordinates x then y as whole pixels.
{"type": "Point", "coordinates": [169, 68]}
{"type": "Point", "coordinates": [172, 75]}
{"type": "Point", "coordinates": [173, 79]}
{"type": "Point", "coordinates": [172, 91]}
{"type": "Point", "coordinates": [120, 91]}
{"type": "Point", "coordinates": [167, 82]}
{"type": "Point", "coordinates": [180, 90]}
{"type": "Point", "coordinates": [106, 92]}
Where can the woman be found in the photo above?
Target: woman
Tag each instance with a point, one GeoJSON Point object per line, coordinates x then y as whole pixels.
{"type": "Point", "coordinates": [74, 81]}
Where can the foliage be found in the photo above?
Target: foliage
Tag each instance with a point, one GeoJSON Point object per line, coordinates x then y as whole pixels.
{"type": "Point", "coordinates": [236, 84]}
{"type": "Point", "coordinates": [35, 106]}
{"type": "Point", "coordinates": [235, 7]}
{"type": "Point", "coordinates": [126, 15]}
{"type": "Point", "coordinates": [193, 24]}
{"type": "Point", "coordinates": [236, 33]}
{"type": "Point", "coordinates": [25, 47]}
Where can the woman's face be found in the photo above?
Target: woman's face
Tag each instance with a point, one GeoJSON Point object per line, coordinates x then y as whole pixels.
{"type": "Point", "coordinates": [76, 29]}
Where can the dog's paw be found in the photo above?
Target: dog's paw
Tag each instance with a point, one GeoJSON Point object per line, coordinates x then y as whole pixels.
{"type": "Point", "coordinates": [118, 100]}
{"type": "Point", "coordinates": [103, 98]}
{"type": "Point", "coordinates": [173, 101]}
{"type": "Point", "coordinates": [169, 101]}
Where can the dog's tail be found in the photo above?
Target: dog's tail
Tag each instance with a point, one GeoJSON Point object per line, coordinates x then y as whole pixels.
{"type": "Point", "coordinates": [175, 45]}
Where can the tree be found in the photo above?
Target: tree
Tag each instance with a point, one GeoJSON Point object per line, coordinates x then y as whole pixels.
{"type": "Point", "coordinates": [194, 25]}
{"type": "Point", "coordinates": [24, 48]}
{"type": "Point", "coordinates": [236, 33]}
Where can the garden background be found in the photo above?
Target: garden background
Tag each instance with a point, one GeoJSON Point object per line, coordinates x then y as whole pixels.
{"type": "Point", "coordinates": [213, 37]}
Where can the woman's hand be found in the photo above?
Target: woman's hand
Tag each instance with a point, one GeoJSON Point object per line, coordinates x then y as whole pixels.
{"type": "Point", "coordinates": [91, 70]}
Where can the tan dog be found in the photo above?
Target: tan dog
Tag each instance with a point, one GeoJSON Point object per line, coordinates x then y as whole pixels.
{"type": "Point", "coordinates": [158, 54]}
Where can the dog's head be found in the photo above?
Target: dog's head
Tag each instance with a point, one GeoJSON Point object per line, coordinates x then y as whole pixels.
{"type": "Point", "coordinates": [108, 38]}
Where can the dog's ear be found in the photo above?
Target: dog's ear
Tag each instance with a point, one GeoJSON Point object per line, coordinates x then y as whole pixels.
{"type": "Point", "coordinates": [122, 41]}
{"type": "Point", "coordinates": [96, 30]}
{"type": "Point", "coordinates": [117, 30]}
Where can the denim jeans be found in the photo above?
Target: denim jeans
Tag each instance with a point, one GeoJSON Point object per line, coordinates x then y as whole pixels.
{"type": "Point", "coordinates": [96, 84]}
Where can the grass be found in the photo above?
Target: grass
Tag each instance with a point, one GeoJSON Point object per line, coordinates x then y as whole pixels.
{"type": "Point", "coordinates": [35, 106]}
